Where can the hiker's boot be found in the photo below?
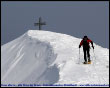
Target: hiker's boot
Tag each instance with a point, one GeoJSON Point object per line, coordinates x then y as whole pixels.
{"type": "Point", "coordinates": [89, 61]}
{"type": "Point", "coordinates": [85, 62]}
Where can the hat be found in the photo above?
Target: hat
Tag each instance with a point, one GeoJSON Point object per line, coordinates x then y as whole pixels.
{"type": "Point", "coordinates": [85, 36]}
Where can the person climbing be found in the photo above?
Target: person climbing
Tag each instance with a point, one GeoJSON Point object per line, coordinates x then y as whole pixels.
{"type": "Point", "coordinates": [86, 48]}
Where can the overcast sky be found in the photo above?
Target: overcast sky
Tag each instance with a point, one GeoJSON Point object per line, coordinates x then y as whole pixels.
{"type": "Point", "coordinates": [76, 18]}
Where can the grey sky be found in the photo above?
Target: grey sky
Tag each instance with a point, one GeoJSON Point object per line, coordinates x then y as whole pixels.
{"type": "Point", "coordinates": [79, 18]}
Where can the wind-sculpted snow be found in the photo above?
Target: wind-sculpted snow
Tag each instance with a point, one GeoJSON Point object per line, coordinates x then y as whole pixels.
{"type": "Point", "coordinates": [27, 60]}
{"type": "Point", "coordinates": [43, 57]}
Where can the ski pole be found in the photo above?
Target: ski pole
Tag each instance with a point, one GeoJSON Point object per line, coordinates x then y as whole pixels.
{"type": "Point", "coordinates": [79, 55]}
{"type": "Point", "coordinates": [94, 54]}
{"type": "Point", "coordinates": [95, 58]}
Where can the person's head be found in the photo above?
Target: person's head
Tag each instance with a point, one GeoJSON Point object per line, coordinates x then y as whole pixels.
{"type": "Point", "coordinates": [85, 38]}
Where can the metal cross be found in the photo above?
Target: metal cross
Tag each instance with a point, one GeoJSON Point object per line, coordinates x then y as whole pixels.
{"type": "Point", "coordinates": [40, 23]}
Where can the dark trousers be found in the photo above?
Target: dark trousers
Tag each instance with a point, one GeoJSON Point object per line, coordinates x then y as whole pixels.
{"type": "Point", "coordinates": [86, 51]}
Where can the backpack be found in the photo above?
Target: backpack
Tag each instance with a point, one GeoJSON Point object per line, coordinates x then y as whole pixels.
{"type": "Point", "coordinates": [85, 43]}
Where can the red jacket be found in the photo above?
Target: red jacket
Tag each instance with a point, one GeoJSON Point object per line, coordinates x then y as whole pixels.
{"type": "Point", "coordinates": [88, 41]}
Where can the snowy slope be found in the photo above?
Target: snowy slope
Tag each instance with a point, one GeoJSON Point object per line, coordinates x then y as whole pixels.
{"type": "Point", "coordinates": [52, 58]}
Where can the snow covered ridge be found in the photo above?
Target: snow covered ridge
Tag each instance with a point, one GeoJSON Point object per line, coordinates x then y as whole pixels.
{"type": "Point", "coordinates": [39, 57]}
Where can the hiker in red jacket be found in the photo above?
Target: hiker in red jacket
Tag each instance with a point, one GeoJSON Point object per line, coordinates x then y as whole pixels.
{"type": "Point", "coordinates": [86, 48]}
